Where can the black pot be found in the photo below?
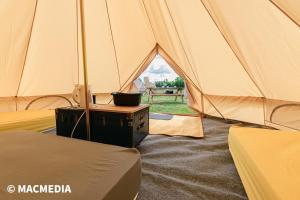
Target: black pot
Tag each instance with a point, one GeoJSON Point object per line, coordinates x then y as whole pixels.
{"type": "Point", "coordinates": [126, 99]}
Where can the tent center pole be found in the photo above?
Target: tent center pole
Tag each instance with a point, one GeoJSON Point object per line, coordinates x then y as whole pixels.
{"type": "Point", "coordinates": [87, 97]}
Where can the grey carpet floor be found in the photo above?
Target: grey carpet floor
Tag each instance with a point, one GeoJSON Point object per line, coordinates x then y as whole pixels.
{"type": "Point", "coordinates": [179, 168]}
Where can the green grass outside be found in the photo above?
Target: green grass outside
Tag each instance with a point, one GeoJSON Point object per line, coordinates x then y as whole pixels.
{"type": "Point", "coordinates": [165, 104]}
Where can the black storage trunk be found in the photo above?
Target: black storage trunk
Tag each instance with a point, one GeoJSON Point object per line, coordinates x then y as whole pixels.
{"type": "Point", "coordinates": [109, 126]}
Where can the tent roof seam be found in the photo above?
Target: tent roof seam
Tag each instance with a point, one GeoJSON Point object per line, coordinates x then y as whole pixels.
{"type": "Point", "coordinates": [191, 81]}
{"type": "Point", "coordinates": [113, 42]}
{"type": "Point", "coordinates": [77, 42]}
{"type": "Point", "coordinates": [191, 66]}
{"type": "Point", "coordinates": [228, 43]}
{"type": "Point", "coordinates": [184, 50]}
{"type": "Point", "coordinates": [284, 12]}
{"type": "Point", "coordinates": [27, 48]}
{"type": "Point", "coordinates": [139, 66]}
{"type": "Point", "coordinates": [148, 19]}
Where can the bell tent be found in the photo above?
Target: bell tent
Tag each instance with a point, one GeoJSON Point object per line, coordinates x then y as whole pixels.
{"type": "Point", "coordinates": [240, 59]}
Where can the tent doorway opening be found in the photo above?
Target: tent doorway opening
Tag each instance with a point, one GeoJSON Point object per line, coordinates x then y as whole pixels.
{"type": "Point", "coordinates": [163, 89]}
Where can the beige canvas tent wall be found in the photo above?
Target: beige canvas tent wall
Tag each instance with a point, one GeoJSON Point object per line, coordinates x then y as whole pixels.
{"type": "Point", "coordinates": [240, 59]}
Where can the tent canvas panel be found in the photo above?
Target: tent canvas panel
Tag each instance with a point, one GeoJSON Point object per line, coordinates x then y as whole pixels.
{"type": "Point", "coordinates": [51, 61]}
{"type": "Point", "coordinates": [290, 8]}
{"type": "Point", "coordinates": [265, 40]}
{"type": "Point", "coordinates": [16, 24]}
{"type": "Point", "coordinates": [237, 57]}
{"type": "Point", "coordinates": [247, 109]}
{"type": "Point", "coordinates": [203, 43]}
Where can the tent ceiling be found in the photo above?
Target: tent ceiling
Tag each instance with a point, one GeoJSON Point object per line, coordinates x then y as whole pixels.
{"type": "Point", "coordinates": [224, 49]}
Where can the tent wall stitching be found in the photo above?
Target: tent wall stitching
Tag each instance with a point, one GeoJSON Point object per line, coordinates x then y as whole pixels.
{"type": "Point", "coordinates": [172, 44]}
{"type": "Point", "coordinates": [281, 106]}
{"type": "Point", "coordinates": [27, 47]}
{"type": "Point", "coordinates": [234, 52]}
{"type": "Point", "coordinates": [283, 126]}
{"type": "Point", "coordinates": [145, 63]}
{"type": "Point", "coordinates": [190, 80]}
{"type": "Point", "coordinates": [148, 19]}
{"type": "Point", "coordinates": [113, 42]}
{"type": "Point", "coordinates": [158, 46]}
{"type": "Point", "coordinates": [185, 53]}
{"type": "Point", "coordinates": [181, 43]}
{"type": "Point", "coordinates": [154, 50]}
{"type": "Point", "coordinates": [202, 102]}
{"type": "Point", "coordinates": [77, 42]}
{"type": "Point", "coordinates": [48, 96]}
{"type": "Point", "coordinates": [284, 12]}
{"type": "Point", "coordinates": [264, 108]}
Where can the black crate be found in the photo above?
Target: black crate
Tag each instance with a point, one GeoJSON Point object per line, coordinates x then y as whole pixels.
{"type": "Point", "coordinates": [117, 128]}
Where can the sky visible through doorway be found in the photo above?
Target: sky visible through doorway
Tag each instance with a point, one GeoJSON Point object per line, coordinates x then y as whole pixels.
{"type": "Point", "coordinates": [159, 70]}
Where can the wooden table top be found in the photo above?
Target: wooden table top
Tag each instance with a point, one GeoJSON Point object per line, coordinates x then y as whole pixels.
{"type": "Point", "coordinates": [169, 88]}
{"type": "Point", "coordinates": [118, 109]}
{"type": "Point", "coordinates": [112, 108]}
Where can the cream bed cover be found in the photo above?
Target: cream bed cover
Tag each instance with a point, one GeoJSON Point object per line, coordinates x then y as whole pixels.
{"type": "Point", "coordinates": [33, 120]}
{"type": "Point", "coordinates": [92, 170]}
{"type": "Point", "coordinates": [268, 162]}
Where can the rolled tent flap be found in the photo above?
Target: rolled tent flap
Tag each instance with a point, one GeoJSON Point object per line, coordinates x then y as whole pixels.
{"type": "Point", "coordinates": [240, 59]}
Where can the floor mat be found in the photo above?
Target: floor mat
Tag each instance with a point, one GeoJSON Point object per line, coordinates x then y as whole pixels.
{"type": "Point", "coordinates": [177, 126]}
{"type": "Point", "coordinates": [160, 116]}
{"type": "Point", "coordinates": [180, 168]}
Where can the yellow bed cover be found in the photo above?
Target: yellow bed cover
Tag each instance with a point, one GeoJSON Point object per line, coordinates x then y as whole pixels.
{"type": "Point", "coordinates": [268, 162]}
{"type": "Point", "coordinates": [34, 120]}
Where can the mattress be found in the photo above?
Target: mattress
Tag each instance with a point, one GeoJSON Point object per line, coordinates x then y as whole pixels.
{"type": "Point", "coordinates": [34, 120]}
{"type": "Point", "coordinates": [268, 162]}
{"type": "Point", "coordinates": [90, 170]}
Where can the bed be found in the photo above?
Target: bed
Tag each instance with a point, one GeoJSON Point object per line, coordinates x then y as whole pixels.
{"type": "Point", "coordinates": [92, 170]}
{"type": "Point", "coordinates": [268, 162]}
{"type": "Point", "coordinates": [33, 120]}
